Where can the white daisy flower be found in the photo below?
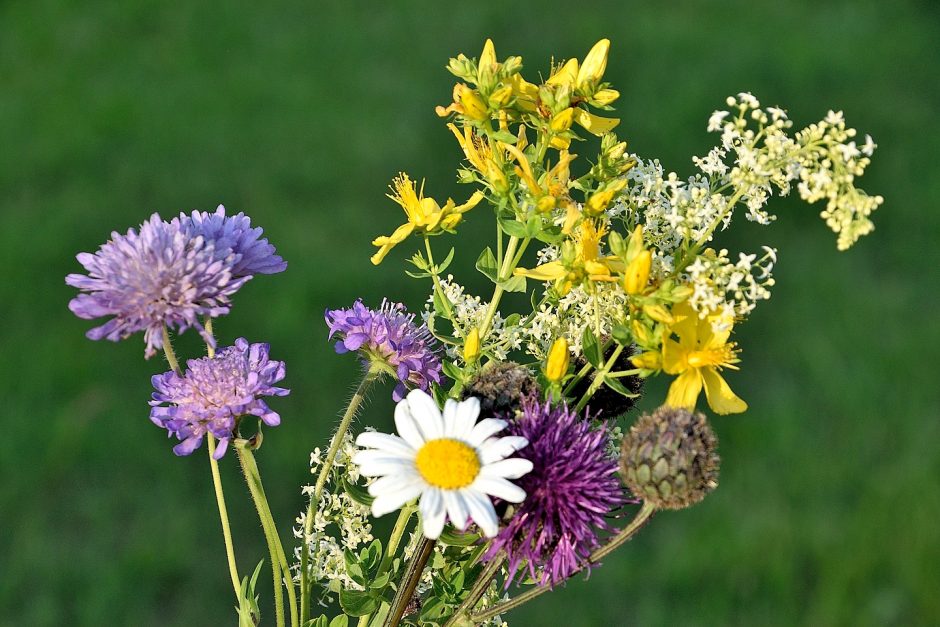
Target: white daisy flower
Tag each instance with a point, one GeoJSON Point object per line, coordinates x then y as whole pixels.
{"type": "Point", "coordinates": [454, 463]}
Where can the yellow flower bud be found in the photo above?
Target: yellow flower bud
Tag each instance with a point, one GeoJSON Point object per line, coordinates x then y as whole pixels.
{"type": "Point", "coordinates": [496, 178]}
{"type": "Point", "coordinates": [641, 333]}
{"type": "Point", "coordinates": [599, 201]}
{"type": "Point", "coordinates": [595, 63]}
{"type": "Point", "coordinates": [635, 245]}
{"type": "Point", "coordinates": [563, 121]}
{"type": "Point", "coordinates": [471, 345]}
{"type": "Point", "coordinates": [650, 360]}
{"type": "Point", "coordinates": [501, 96]}
{"type": "Point", "coordinates": [545, 204]}
{"type": "Point", "coordinates": [658, 313]}
{"type": "Point", "coordinates": [605, 96]}
{"type": "Point", "coordinates": [557, 365]}
{"type": "Point", "coordinates": [472, 103]}
{"type": "Point", "coordinates": [637, 273]}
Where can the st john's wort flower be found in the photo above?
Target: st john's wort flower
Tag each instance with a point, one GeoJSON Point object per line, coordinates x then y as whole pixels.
{"type": "Point", "coordinates": [454, 463]}
{"type": "Point", "coordinates": [214, 392]}
{"type": "Point", "coordinates": [169, 273]}
{"type": "Point", "coordinates": [388, 338]}
{"type": "Point", "coordinates": [571, 490]}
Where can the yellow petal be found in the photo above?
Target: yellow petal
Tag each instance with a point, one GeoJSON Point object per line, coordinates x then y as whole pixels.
{"type": "Point", "coordinates": [525, 169]}
{"type": "Point", "coordinates": [720, 397]}
{"type": "Point", "coordinates": [685, 389]}
{"type": "Point", "coordinates": [674, 357]}
{"type": "Point", "coordinates": [595, 124]}
{"type": "Point", "coordinates": [488, 56]}
{"type": "Point", "coordinates": [565, 75]}
{"type": "Point", "coordinates": [545, 272]}
{"type": "Point", "coordinates": [605, 97]}
{"type": "Point", "coordinates": [650, 360]}
{"type": "Point", "coordinates": [472, 202]}
{"type": "Point", "coordinates": [562, 121]}
{"type": "Point", "coordinates": [686, 325]}
{"type": "Point", "coordinates": [595, 63]}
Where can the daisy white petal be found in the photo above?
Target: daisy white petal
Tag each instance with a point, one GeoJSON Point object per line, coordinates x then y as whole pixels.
{"type": "Point", "coordinates": [467, 413]}
{"type": "Point", "coordinates": [384, 442]}
{"type": "Point", "coordinates": [507, 468]}
{"type": "Point", "coordinates": [394, 483]}
{"type": "Point", "coordinates": [500, 488]}
{"type": "Point", "coordinates": [484, 429]}
{"type": "Point", "coordinates": [407, 427]}
{"type": "Point", "coordinates": [456, 509]}
{"type": "Point", "coordinates": [426, 414]}
{"type": "Point", "coordinates": [482, 512]}
{"type": "Point", "coordinates": [495, 449]}
{"type": "Point", "coordinates": [390, 501]}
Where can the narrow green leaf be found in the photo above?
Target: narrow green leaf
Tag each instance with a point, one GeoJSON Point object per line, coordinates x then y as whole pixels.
{"type": "Point", "coordinates": [619, 387]}
{"type": "Point", "coordinates": [446, 263]}
{"type": "Point", "coordinates": [504, 136]}
{"type": "Point", "coordinates": [358, 493]}
{"type": "Point", "coordinates": [590, 348]}
{"type": "Point", "coordinates": [453, 538]}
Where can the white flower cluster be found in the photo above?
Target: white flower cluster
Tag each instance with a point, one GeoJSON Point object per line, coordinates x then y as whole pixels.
{"type": "Point", "coordinates": [348, 517]}
{"type": "Point", "coordinates": [729, 288]}
{"type": "Point", "coordinates": [823, 159]}
{"type": "Point", "coordinates": [469, 312]}
{"type": "Point", "coordinates": [599, 308]}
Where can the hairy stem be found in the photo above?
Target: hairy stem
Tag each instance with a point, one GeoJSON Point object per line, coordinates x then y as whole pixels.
{"type": "Point", "coordinates": [641, 518]}
{"type": "Point", "coordinates": [409, 582]}
{"type": "Point", "coordinates": [223, 515]}
{"type": "Point", "coordinates": [354, 403]}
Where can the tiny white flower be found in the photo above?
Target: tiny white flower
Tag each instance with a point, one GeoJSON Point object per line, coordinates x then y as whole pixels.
{"type": "Point", "coordinates": [454, 463]}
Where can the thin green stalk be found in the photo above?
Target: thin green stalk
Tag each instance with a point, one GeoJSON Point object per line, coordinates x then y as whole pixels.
{"type": "Point", "coordinates": [279, 564]}
{"type": "Point", "coordinates": [599, 378]}
{"type": "Point", "coordinates": [511, 259]}
{"type": "Point", "coordinates": [358, 396]}
{"type": "Point", "coordinates": [641, 518]}
{"type": "Point", "coordinates": [216, 476]}
{"type": "Point", "coordinates": [223, 515]}
{"type": "Point", "coordinates": [479, 589]}
{"type": "Point", "coordinates": [448, 310]}
{"type": "Point", "coordinates": [409, 582]}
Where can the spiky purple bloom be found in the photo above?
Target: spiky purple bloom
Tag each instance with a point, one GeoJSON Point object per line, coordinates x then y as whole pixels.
{"type": "Point", "coordinates": [389, 337]}
{"type": "Point", "coordinates": [169, 273]}
{"type": "Point", "coordinates": [570, 493]}
{"type": "Point", "coordinates": [214, 392]}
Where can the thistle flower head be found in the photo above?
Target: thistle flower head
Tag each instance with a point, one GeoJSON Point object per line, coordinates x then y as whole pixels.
{"type": "Point", "coordinates": [388, 337]}
{"type": "Point", "coordinates": [571, 490]}
{"type": "Point", "coordinates": [214, 392]}
{"type": "Point", "coordinates": [670, 458]}
{"type": "Point", "coordinates": [169, 273]}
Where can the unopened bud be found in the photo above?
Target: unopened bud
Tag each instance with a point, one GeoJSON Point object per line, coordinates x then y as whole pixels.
{"type": "Point", "coordinates": [637, 273]}
{"type": "Point", "coordinates": [557, 365]}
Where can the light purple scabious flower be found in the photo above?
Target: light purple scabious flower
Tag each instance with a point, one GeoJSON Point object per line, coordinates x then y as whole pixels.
{"type": "Point", "coordinates": [255, 255]}
{"type": "Point", "coordinates": [390, 337]}
{"type": "Point", "coordinates": [169, 273]}
{"type": "Point", "coordinates": [214, 392]}
{"type": "Point", "coordinates": [571, 491]}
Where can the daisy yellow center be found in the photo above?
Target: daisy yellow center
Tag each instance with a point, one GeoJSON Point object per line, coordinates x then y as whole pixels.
{"type": "Point", "coordinates": [448, 464]}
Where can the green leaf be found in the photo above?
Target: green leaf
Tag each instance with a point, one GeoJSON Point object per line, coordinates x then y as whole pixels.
{"type": "Point", "coordinates": [433, 609]}
{"type": "Point", "coordinates": [340, 621]}
{"type": "Point", "coordinates": [550, 235]}
{"type": "Point", "coordinates": [454, 538]}
{"type": "Point", "coordinates": [439, 308]}
{"type": "Point", "coordinates": [619, 387]}
{"type": "Point", "coordinates": [504, 136]}
{"type": "Point", "coordinates": [358, 493]}
{"type": "Point", "coordinates": [319, 621]}
{"type": "Point", "coordinates": [533, 226]}
{"type": "Point", "coordinates": [453, 371]}
{"type": "Point", "coordinates": [378, 619]}
{"type": "Point", "coordinates": [621, 333]}
{"type": "Point", "coordinates": [590, 348]}
{"type": "Point", "coordinates": [514, 284]}
{"type": "Point", "coordinates": [513, 228]}
{"type": "Point", "coordinates": [380, 582]}
{"type": "Point", "coordinates": [439, 268]}
{"type": "Point", "coordinates": [417, 275]}
{"type": "Point", "coordinates": [486, 263]}
{"type": "Point", "coordinates": [357, 603]}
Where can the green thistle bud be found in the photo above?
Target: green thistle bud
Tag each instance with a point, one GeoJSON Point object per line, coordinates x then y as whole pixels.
{"type": "Point", "coordinates": [670, 458]}
{"type": "Point", "coordinates": [500, 388]}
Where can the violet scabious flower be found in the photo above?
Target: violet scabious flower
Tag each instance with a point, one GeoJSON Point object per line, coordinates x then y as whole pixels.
{"type": "Point", "coordinates": [388, 337]}
{"type": "Point", "coordinates": [255, 255]}
{"type": "Point", "coordinates": [169, 273]}
{"type": "Point", "coordinates": [214, 392]}
{"type": "Point", "coordinates": [572, 489]}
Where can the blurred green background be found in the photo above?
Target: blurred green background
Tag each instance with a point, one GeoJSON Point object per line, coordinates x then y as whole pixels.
{"type": "Point", "coordinates": [300, 114]}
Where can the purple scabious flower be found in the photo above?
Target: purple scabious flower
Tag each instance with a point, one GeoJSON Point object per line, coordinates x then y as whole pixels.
{"type": "Point", "coordinates": [572, 489]}
{"type": "Point", "coordinates": [169, 273]}
{"type": "Point", "coordinates": [255, 255]}
{"type": "Point", "coordinates": [389, 337]}
{"type": "Point", "coordinates": [214, 392]}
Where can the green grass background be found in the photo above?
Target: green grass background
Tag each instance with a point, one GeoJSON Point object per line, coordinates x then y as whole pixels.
{"type": "Point", "coordinates": [300, 114]}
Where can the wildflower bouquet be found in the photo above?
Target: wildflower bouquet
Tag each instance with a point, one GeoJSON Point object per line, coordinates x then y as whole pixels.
{"type": "Point", "coordinates": [515, 462]}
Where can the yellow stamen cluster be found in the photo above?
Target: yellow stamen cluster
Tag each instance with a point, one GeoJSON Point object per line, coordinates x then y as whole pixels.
{"type": "Point", "coordinates": [448, 464]}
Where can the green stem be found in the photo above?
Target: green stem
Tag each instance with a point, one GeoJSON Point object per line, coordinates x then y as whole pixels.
{"type": "Point", "coordinates": [397, 533]}
{"type": "Point", "coordinates": [169, 352]}
{"type": "Point", "coordinates": [641, 518]}
{"type": "Point", "coordinates": [479, 589]}
{"type": "Point", "coordinates": [409, 582]}
{"type": "Point", "coordinates": [511, 259]}
{"type": "Point", "coordinates": [279, 564]}
{"type": "Point", "coordinates": [448, 309]}
{"type": "Point", "coordinates": [223, 515]}
{"type": "Point", "coordinates": [358, 396]}
{"type": "Point", "coordinates": [599, 378]}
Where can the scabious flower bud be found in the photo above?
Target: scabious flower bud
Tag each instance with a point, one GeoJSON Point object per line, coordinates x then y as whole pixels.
{"type": "Point", "coordinates": [670, 458]}
{"type": "Point", "coordinates": [557, 365]}
{"type": "Point", "coordinates": [501, 388]}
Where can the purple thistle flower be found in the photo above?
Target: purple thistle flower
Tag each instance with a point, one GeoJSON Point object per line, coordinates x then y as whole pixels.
{"type": "Point", "coordinates": [389, 337]}
{"type": "Point", "coordinates": [214, 392]}
{"type": "Point", "coordinates": [255, 255]}
{"type": "Point", "coordinates": [169, 273]}
{"type": "Point", "coordinates": [572, 489]}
